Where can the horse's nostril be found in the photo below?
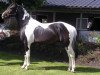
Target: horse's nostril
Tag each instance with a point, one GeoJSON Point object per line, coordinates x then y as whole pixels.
{"type": "Point", "coordinates": [2, 16]}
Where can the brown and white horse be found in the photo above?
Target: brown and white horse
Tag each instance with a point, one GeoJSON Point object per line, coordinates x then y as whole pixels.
{"type": "Point", "coordinates": [32, 31]}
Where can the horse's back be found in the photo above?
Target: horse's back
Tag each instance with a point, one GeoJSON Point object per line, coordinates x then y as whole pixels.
{"type": "Point", "coordinates": [42, 35]}
{"type": "Point", "coordinates": [71, 29]}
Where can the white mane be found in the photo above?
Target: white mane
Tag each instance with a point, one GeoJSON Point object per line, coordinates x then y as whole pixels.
{"type": "Point", "coordinates": [26, 14]}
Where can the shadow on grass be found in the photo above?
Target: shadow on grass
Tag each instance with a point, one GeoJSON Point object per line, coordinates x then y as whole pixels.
{"type": "Point", "coordinates": [64, 68]}
{"type": "Point", "coordinates": [9, 56]}
{"type": "Point", "coordinates": [86, 69]}
{"type": "Point", "coordinates": [14, 63]}
{"type": "Point", "coordinates": [10, 63]}
{"type": "Point", "coordinates": [49, 68]}
{"type": "Point", "coordinates": [56, 68]}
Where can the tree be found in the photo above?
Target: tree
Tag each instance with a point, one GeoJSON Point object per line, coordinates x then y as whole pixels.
{"type": "Point", "coordinates": [28, 4]}
{"type": "Point", "coordinates": [31, 4]}
{"type": "Point", "coordinates": [2, 6]}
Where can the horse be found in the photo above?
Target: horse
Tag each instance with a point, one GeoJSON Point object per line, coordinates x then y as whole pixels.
{"type": "Point", "coordinates": [33, 31]}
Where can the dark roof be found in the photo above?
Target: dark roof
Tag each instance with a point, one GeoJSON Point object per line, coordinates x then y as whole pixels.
{"type": "Point", "coordinates": [4, 1]}
{"type": "Point", "coordinates": [74, 3]}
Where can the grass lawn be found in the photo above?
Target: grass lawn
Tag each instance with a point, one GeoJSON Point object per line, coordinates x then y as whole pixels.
{"type": "Point", "coordinates": [10, 64]}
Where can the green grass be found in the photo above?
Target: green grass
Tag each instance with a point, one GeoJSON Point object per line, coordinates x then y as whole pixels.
{"type": "Point", "coordinates": [10, 64]}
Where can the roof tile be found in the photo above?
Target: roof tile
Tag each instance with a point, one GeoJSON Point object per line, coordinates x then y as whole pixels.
{"type": "Point", "coordinates": [75, 3]}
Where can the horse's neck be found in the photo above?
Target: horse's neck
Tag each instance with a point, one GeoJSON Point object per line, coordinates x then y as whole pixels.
{"type": "Point", "coordinates": [26, 19]}
{"type": "Point", "coordinates": [34, 22]}
{"type": "Point", "coordinates": [23, 17]}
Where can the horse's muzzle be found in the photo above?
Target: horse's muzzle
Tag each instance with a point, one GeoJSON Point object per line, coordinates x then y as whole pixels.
{"type": "Point", "coordinates": [2, 35]}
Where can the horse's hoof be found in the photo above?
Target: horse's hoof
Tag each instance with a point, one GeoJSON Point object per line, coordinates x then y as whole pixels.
{"type": "Point", "coordinates": [69, 69]}
{"type": "Point", "coordinates": [26, 68]}
{"type": "Point", "coordinates": [72, 71]}
{"type": "Point", "coordinates": [23, 66]}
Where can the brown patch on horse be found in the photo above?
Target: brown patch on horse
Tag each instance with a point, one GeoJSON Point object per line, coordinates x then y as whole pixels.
{"type": "Point", "coordinates": [44, 35]}
{"type": "Point", "coordinates": [55, 32]}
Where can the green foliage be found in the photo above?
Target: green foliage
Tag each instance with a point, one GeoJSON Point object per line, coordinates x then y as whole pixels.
{"type": "Point", "coordinates": [98, 39]}
{"type": "Point", "coordinates": [2, 6]}
{"type": "Point", "coordinates": [31, 4]}
{"type": "Point", "coordinates": [86, 47]}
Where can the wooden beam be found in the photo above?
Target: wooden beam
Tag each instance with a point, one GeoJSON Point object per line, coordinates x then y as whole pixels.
{"type": "Point", "coordinates": [54, 16]}
{"type": "Point", "coordinates": [81, 17]}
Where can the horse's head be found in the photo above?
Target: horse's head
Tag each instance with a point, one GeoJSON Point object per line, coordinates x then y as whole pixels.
{"type": "Point", "coordinates": [10, 11]}
{"type": "Point", "coordinates": [17, 11]}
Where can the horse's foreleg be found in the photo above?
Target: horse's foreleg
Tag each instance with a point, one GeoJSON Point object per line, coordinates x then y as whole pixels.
{"type": "Point", "coordinates": [26, 60]}
{"type": "Point", "coordinates": [27, 55]}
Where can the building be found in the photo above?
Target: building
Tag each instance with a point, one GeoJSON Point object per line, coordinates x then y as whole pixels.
{"type": "Point", "coordinates": [75, 12]}
{"type": "Point", "coordinates": [78, 13]}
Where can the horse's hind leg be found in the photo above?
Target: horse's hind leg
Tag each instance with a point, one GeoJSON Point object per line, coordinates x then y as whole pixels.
{"type": "Point", "coordinates": [71, 56]}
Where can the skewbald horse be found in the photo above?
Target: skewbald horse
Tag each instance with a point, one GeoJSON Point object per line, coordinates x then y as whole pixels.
{"type": "Point", "coordinates": [32, 31]}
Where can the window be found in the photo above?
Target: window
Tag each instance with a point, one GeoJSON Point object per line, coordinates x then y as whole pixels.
{"type": "Point", "coordinates": [96, 24]}
{"type": "Point", "coordinates": [42, 18]}
{"type": "Point", "coordinates": [81, 24]}
{"type": "Point", "coordinates": [34, 16]}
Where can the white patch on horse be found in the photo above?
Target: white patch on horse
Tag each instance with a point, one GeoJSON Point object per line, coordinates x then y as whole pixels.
{"type": "Point", "coordinates": [32, 24]}
{"type": "Point", "coordinates": [26, 14]}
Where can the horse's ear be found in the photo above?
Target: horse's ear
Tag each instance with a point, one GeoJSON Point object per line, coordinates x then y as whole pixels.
{"type": "Point", "coordinates": [22, 5]}
{"type": "Point", "coordinates": [13, 1]}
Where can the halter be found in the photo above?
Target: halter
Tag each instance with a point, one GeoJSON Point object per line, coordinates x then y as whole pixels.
{"type": "Point", "coordinates": [12, 15]}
